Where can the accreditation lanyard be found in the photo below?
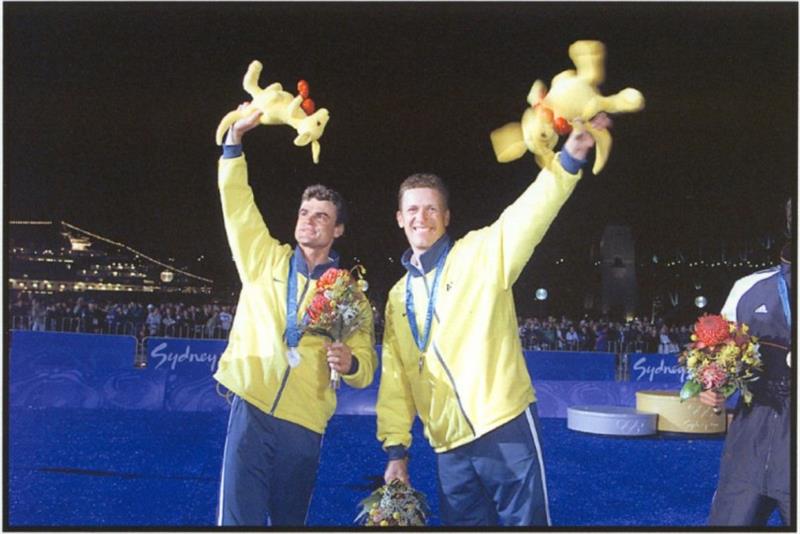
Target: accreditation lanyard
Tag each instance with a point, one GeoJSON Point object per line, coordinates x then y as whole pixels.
{"type": "Point", "coordinates": [783, 290]}
{"type": "Point", "coordinates": [422, 341]}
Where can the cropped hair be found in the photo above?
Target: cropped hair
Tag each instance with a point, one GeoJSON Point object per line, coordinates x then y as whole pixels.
{"type": "Point", "coordinates": [423, 180]}
{"type": "Point", "coordinates": [321, 192]}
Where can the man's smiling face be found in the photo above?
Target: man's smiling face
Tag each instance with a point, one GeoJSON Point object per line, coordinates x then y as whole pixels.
{"type": "Point", "coordinates": [423, 216]}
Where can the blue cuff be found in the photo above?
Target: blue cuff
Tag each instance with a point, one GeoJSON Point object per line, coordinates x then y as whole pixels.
{"type": "Point", "coordinates": [232, 151]}
{"type": "Point", "coordinates": [570, 164]}
{"type": "Point", "coordinates": [396, 452]}
{"type": "Point", "coordinates": [353, 366]}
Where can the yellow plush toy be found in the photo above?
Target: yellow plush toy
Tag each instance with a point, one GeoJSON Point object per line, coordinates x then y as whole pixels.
{"type": "Point", "coordinates": [279, 107]}
{"type": "Point", "coordinates": [572, 101]}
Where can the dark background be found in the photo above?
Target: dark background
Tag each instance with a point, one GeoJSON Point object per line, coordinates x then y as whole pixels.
{"type": "Point", "coordinates": [110, 111]}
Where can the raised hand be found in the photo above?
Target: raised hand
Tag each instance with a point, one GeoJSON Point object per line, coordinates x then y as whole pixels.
{"type": "Point", "coordinates": [582, 139]}
{"type": "Point", "coordinates": [240, 127]}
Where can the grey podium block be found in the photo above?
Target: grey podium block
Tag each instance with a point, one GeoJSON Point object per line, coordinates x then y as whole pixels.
{"type": "Point", "coordinates": [611, 420]}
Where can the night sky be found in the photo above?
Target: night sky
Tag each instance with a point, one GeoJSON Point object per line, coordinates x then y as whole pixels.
{"type": "Point", "coordinates": [110, 111]}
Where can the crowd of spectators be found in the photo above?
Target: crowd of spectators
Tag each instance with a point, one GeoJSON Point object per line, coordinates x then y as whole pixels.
{"type": "Point", "coordinates": [87, 315]}
{"type": "Point", "coordinates": [602, 335]}
{"type": "Point", "coordinates": [214, 321]}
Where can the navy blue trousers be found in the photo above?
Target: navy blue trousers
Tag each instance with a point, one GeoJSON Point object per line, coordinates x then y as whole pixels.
{"type": "Point", "coordinates": [498, 479]}
{"type": "Point", "coordinates": [755, 469]}
{"type": "Point", "coordinates": [268, 469]}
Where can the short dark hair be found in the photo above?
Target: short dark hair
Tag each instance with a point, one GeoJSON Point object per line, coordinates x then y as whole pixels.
{"type": "Point", "coordinates": [321, 192]}
{"type": "Point", "coordinates": [426, 180]}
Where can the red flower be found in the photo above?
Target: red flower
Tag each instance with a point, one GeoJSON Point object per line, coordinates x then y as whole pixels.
{"type": "Point", "coordinates": [317, 306]}
{"type": "Point", "coordinates": [711, 330]}
{"type": "Point", "coordinates": [712, 377]}
{"type": "Point", "coordinates": [329, 277]}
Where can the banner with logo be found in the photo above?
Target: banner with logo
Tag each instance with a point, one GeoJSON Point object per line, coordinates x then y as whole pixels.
{"type": "Point", "coordinates": [189, 365]}
{"type": "Point", "coordinates": [655, 369]}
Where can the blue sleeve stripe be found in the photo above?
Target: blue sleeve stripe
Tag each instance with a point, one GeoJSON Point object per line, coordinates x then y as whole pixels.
{"type": "Point", "coordinates": [231, 151]}
{"type": "Point", "coordinates": [570, 164]}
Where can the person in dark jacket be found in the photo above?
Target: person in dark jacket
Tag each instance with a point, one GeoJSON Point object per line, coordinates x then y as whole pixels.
{"type": "Point", "coordinates": [755, 473]}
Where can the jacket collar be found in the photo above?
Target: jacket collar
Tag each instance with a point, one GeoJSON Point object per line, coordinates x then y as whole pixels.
{"type": "Point", "coordinates": [428, 259]}
{"type": "Point", "coordinates": [302, 268]}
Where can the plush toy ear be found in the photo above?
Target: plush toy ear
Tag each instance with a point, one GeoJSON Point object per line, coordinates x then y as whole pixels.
{"type": "Point", "coordinates": [302, 139]}
{"type": "Point", "coordinates": [537, 92]}
{"type": "Point", "coordinates": [508, 143]}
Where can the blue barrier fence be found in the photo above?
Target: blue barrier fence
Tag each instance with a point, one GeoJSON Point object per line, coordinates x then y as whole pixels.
{"type": "Point", "coordinates": [79, 371]}
{"type": "Point", "coordinates": [96, 371]}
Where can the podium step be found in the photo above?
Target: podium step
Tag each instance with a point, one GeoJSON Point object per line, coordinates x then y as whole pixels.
{"type": "Point", "coordinates": [611, 420]}
{"type": "Point", "coordinates": [688, 417]}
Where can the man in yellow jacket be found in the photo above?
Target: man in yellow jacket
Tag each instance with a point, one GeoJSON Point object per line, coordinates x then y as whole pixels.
{"type": "Point", "coordinates": [452, 354]}
{"type": "Point", "coordinates": [279, 377]}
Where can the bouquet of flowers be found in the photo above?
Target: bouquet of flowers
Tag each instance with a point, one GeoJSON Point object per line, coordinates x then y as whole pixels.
{"type": "Point", "coordinates": [394, 505]}
{"type": "Point", "coordinates": [338, 307]}
{"type": "Point", "coordinates": [722, 357]}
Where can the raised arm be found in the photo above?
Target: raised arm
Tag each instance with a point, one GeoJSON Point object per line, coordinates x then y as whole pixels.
{"type": "Point", "coordinates": [521, 227]}
{"type": "Point", "coordinates": [248, 236]}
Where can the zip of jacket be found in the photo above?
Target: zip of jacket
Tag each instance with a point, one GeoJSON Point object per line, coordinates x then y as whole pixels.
{"type": "Point", "coordinates": [285, 378]}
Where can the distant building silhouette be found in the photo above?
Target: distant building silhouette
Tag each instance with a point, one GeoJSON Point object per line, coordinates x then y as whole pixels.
{"type": "Point", "coordinates": [50, 257]}
{"type": "Point", "coordinates": [618, 272]}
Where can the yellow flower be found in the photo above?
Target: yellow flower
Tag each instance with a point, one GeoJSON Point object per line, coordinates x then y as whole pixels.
{"type": "Point", "coordinates": [693, 337]}
{"type": "Point", "coordinates": [384, 523]}
{"type": "Point", "coordinates": [396, 515]}
{"type": "Point", "coordinates": [692, 361]}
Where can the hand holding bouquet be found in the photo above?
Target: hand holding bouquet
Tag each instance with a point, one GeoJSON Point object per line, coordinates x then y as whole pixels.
{"type": "Point", "coordinates": [394, 505]}
{"type": "Point", "coordinates": [338, 308]}
{"type": "Point", "coordinates": [722, 357]}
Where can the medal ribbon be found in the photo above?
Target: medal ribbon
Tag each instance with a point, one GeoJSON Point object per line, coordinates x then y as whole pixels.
{"type": "Point", "coordinates": [422, 342]}
{"type": "Point", "coordinates": [293, 332]}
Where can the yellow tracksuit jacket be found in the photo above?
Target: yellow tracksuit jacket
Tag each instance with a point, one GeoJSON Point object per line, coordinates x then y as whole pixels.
{"type": "Point", "coordinates": [254, 364]}
{"type": "Point", "coordinates": [473, 376]}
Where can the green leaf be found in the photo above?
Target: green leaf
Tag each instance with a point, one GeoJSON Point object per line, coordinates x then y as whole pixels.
{"type": "Point", "coordinates": [728, 390]}
{"type": "Point", "coordinates": [690, 389]}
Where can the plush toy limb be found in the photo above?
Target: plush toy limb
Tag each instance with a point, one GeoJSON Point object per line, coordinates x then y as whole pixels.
{"type": "Point", "coordinates": [294, 105]}
{"type": "Point", "coordinates": [315, 148]}
{"type": "Point", "coordinates": [250, 81]}
{"type": "Point", "coordinates": [227, 121]}
{"type": "Point", "coordinates": [589, 59]}
{"type": "Point", "coordinates": [602, 147]}
{"type": "Point", "coordinates": [626, 101]}
{"type": "Point", "coordinates": [507, 142]}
